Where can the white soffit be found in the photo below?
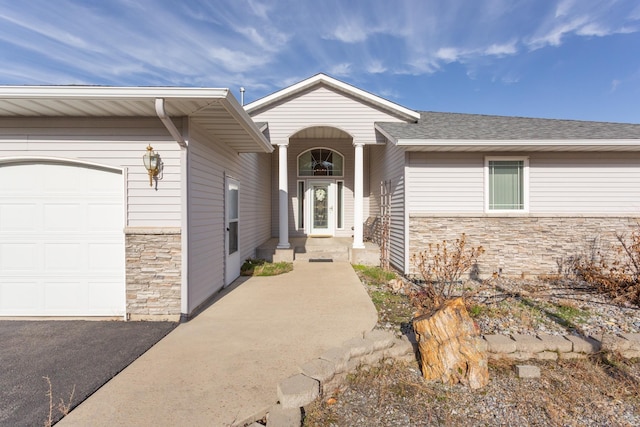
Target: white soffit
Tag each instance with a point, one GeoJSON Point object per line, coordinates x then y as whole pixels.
{"type": "Point", "coordinates": [215, 109]}
{"type": "Point", "coordinates": [319, 79]}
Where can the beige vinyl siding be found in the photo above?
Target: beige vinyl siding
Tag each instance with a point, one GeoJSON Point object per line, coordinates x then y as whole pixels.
{"type": "Point", "coordinates": [322, 106]}
{"type": "Point", "coordinates": [388, 163]}
{"type": "Point", "coordinates": [209, 162]}
{"type": "Point", "coordinates": [559, 183]}
{"type": "Point", "coordinates": [585, 183]}
{"type": "Point", "coordinates": [445, 182]}
{"type": "Point", "coordinates": [118, 142]}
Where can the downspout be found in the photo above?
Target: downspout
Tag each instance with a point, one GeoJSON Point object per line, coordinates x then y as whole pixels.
{"type": "Point", "coordinates": [168, 123]}
{"type": "Point", "coordinates": [184, 206]}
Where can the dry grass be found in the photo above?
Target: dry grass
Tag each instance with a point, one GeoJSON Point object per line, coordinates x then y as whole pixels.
{"type": "Point", "coordinates": [572, 393]}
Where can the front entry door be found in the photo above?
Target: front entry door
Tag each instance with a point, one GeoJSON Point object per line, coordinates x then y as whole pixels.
{"type": "Point", "coordinates": [322, 209]}
{"type": "Point", "coordinates": [232, 240]}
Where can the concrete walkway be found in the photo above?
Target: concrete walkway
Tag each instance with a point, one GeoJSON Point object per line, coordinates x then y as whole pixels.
{"type": "Point", "coordinates": [222, 368]}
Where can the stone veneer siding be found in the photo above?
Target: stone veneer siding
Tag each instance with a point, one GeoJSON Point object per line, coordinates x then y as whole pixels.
{"type": "Point", "coordinates": [154, 272]}
{"type": "Point", "coordinates": [520, 245]}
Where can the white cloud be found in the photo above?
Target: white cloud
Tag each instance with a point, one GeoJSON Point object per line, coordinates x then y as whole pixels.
{"type": "Point", "coordinates": [376, 67]}
{"type": "Point", "coordinates": [343, 69]}
{"type": "Point", "coordinates": [502, 49]}
{"type": "Point", "coordinates": [389, 93]}
{"type": "Point", "coordinates": [554, 35]}
{"type": "Point", "coordinates": [614, 85]}
{"type": "Point", "coordinates": [270, 41]}
{"type": "Point", "coordinates": [564, 8]}
{"type": "Point", "coordinates": [592, 29]}
{"type": "Point", "coordinates": [448, 54]}
{"type": "Point", "coordinates": [349, 33]}
{"type": "Point", "coordinates": [236, 61]}
{"type": "Point", "coordinates": [260, 9]}
{"type": "Point", "coordinates": [510, 79]}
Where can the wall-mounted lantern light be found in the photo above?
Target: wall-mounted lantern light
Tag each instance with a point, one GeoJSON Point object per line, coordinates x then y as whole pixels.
{"type": "Point", "coordinates": [151, 161]}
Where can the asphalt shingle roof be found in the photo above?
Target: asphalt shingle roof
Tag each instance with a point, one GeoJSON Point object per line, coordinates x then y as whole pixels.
{"type": "Point", "coordinates": [455, 126]}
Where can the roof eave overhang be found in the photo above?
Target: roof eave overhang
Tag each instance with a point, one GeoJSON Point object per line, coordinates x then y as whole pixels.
{"type": "Point", "coordinates": [319, 79]}
{"type": "Point", "coordinates": [108, 92]}
{"type": "Point", "coordinates": [518, 145]}
{"type": "Point", "coordinates": [114, 102]}
{"type": "Point", "coordinates": [240, 115]}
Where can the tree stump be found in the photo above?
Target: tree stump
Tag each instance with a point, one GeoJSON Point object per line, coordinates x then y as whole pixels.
{"type": "Point", "coordinates": [447, 340]}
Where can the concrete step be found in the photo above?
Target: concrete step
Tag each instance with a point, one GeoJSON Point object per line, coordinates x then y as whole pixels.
{"type": "Point", "coordinates": [325, 253]}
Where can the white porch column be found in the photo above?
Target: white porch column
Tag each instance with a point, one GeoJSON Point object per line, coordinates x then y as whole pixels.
{"type": "Point", "coordinates": [283, 198]}
{"type": "Point", "coordinates": [358, 201]}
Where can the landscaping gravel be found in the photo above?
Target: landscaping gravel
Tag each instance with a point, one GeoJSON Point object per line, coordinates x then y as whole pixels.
{"type": "Point", "coordinates": [556, 307]}
{"type": "Point", "coordinates": [601, 391]}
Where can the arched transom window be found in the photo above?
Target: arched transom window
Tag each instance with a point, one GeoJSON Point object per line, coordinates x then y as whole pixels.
{"type": "Point", "coordinates": [320, 162]}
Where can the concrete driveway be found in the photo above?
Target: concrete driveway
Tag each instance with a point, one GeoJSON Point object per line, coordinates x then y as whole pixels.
{"type": "Point", "coordinates": [84, 354]}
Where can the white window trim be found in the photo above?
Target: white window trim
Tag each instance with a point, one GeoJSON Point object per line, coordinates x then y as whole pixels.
{"type": "Point", "coordinates": [342, 175]}
{"type": "Point", "coordinates": [525, 160]}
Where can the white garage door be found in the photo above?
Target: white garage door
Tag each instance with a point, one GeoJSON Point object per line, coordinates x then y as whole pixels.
{"type": "Point", "coordinates": [61, 240]}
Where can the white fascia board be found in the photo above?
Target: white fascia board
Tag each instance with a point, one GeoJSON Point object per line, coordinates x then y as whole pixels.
{"type": "Point", "coordinates": [109, 92]}
{"type": "Point", "coordinates": [550, 143]}
{"type": "Point", "coordinates": [385, 134]}
{"type": "Point", "coordinates": [344, 87]}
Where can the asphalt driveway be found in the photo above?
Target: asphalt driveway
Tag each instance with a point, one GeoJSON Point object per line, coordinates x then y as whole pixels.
{"type": "Point", "coordinates": [84, 354]}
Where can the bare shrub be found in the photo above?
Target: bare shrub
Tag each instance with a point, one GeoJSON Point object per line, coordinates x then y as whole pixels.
{"type": "Point", "coordinates": [63, 407]}
{"type": "Point", "coordinates": [441, 267]}
{"type": "Point", "coordinates": [619, 276]}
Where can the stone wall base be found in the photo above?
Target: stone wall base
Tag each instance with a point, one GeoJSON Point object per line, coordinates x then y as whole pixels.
{"type": "Point", "coordinates": [521, 246]}
{"type": "Point", "coordinates": [554, 347]}
{"type": "Point", "coordinates": [153, 273]}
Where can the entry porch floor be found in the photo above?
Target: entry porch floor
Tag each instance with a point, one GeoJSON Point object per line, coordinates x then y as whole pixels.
{"type": "Point", "coordinates": [320, 248]}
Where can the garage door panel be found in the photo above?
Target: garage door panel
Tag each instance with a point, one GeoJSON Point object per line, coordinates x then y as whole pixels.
{"type": "Point", "coordinates": [19, 217]}
{"type": "Point", "coordinates": [102, 257]}
{"type": "Point", "coordinates": [64, 257]}
{"type": "Point", "coordinates": [65, 297]}
{"type": "Point", "coordinates": [22, 297]}
{"type": "Point", "coordinates": [104, 217]}
{"type": "Point", "coordinates": [103, 298]}
{"type": "Point", "coordinates": [60, 217]}
{"type": "Point", "coordinates": [19, 180]}
{"type": "Point", "coordinates": [61, 241]}
{"type": "Point", "coordinates": [16, 257]}
{"type": "Point", "coordinates": [64, 179]}
{"type": "Point", "coordinates": [102, 185]}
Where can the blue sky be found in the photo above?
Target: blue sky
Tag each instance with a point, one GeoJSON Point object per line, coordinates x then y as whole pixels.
{"type": "Point", "coordinates": [574, 59]}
